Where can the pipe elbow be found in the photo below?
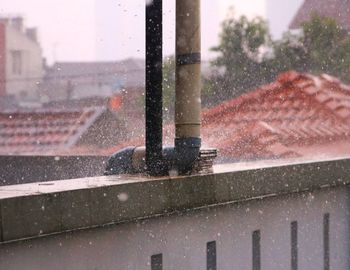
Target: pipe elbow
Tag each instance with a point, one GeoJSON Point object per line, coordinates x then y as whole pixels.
{"type": "Point", "coordinates": [180, 158]}
{"type": "Point", "coordinates": [120, 162]}
{"type": "Point", "coordinates": [187, 152]}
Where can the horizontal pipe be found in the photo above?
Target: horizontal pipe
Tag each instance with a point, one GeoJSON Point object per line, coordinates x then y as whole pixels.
{"type": "Point", "coordinates": [131, 160]}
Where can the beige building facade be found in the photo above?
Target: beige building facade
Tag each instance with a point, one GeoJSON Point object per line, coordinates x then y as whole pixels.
{"type": "Point", "coordinates": [22, 60]}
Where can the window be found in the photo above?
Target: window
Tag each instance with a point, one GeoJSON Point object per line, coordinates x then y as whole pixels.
{"type": "Point", "coordinates": [268, 81]}
{"type": "Point", "coordinates": [17, 62]}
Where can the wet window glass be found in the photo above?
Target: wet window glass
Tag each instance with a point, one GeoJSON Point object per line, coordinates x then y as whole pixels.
{"type": "Point", "coordinates": [174, 134]}
{"type": "Point", "coordinates": [273, 81]}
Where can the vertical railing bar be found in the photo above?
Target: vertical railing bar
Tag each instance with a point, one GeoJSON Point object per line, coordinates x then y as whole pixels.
{"type": "Point", "coordinates": [211, 255]}
{"type": "Point", "coordinates": [294, 245]}
{"type": "Point", "coordinates": [326, 255]}
{"type": "Point", "coordinates": [157, 262]}
{"type": "Point", "coordinates": [256, 253]}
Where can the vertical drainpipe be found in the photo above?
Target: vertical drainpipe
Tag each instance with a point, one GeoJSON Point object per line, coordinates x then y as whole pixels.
{"type": "Point", "coordinates": [188, 76]}
{"type": "Point", "coordinates": [154, 80]}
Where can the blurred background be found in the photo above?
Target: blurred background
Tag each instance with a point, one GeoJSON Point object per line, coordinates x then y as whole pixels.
{"type": "Point", "coordinates": [275, 77]}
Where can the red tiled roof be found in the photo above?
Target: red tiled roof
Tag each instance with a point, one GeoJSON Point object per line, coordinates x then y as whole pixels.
{"type": "Point", "coordinates": [295, 111]}
{"type": "Point", "coordinates": [43, 131]}
{"type": "Point", "coordinates": [298, 115]}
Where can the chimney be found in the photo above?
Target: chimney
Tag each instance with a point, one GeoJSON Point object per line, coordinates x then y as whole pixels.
{"type": "Point", "coordinates": [32, 34]}
{"type": "Point", "coordinates": [17, 23]}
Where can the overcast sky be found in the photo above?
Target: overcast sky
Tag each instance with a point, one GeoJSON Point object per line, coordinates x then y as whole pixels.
{"type": "Point", "coordinates": [70, 30]}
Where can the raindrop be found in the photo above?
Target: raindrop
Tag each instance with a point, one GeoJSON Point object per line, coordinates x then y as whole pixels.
{"type": "Point", "coordinates": [123, 197]}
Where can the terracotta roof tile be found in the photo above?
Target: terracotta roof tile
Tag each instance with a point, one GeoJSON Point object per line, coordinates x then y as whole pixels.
{"type": "Point", "coordinates": [42, 131]}
{"type": "Point", "coordinates": [296, 109]}
{"type": "Point", "coordinates": [294, 116]}
{"type": "Point", "coordinates": [286, 118]}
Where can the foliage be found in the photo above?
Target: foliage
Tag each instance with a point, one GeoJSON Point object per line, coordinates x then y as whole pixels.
{"type": "Point", "coordinates": [323, 47]}
{"type": "Point", "coordinates": [241, 54]}
{"type": "Point", "coordinates": [249, 58]}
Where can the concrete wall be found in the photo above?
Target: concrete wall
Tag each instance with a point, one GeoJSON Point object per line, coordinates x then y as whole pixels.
{"type": "Point", "coordinates": [2, 59]}
{"type": "Point", "coordinates": [24, 85]}
{"type": "Point", "coordinates": [182, 238]}
{"type": "Point", "coordinates": [16, 170]}
{"type": "Point", "coordinates": [261, 216]}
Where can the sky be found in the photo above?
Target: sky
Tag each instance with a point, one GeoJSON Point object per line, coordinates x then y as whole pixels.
{"type": "Point", "coordinates": [126, 19]}
{"type": "Point", "coordinates": [90, 30]}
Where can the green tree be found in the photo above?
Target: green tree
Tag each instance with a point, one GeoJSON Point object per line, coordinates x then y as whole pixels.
{"type": "Point", "coordinates": [288, 53]}
{"type": "Point", "coordinates": [248, 57]}
{"type": "Point", "coordinates": [323, 47]}
{"type": "Point", "coordinates": [326, 43]}
{"type": "Point", "coordinates": [241, 53]}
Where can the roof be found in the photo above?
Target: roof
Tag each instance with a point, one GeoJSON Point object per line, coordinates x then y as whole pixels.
{"type": "Point", "coordinates": [43, 131]}
{"type": "Point", "coordinates": [77, 104]}
{"type": "Point", "coordinates": [290, 117]}
{"type": "Point", "coordinates": [92, 68]}
{"type": "Point", "coordinates": [337, 9]}
{"type": "Point", "coordinates": [297, 115]}
{"type": "Point", "coordinates": [16, 22]}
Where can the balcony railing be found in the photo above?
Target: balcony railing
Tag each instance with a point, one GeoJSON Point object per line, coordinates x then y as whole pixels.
{"type": "Point", "coordinates": [276, 216]}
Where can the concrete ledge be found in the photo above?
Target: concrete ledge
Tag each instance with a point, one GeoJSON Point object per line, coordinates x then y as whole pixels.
{"type": "Point", "coordinates": [37, 209]}
{"type": "Point", "coordinates": [27, 169]}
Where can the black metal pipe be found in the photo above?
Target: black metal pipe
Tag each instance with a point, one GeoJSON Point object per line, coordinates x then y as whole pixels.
{"type": "Point", "coordinates": [154, 80]}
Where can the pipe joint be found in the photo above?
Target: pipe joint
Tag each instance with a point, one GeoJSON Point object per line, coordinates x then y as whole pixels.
{"type": "Point", "coordinates": [180, 158]}
{"type": "Point", "coordinates": [187, 152]}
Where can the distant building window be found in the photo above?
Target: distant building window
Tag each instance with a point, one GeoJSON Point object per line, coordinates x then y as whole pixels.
{"type": "Point", "coordinates": [17, 62]}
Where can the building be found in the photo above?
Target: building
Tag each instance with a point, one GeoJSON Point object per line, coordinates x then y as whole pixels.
{"type": "Point", "coordinates": [77, 80]}
{"type": "Point", "coordinates": [337, 9]}
{"type": "Point", "coordinates": [21, 62]}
